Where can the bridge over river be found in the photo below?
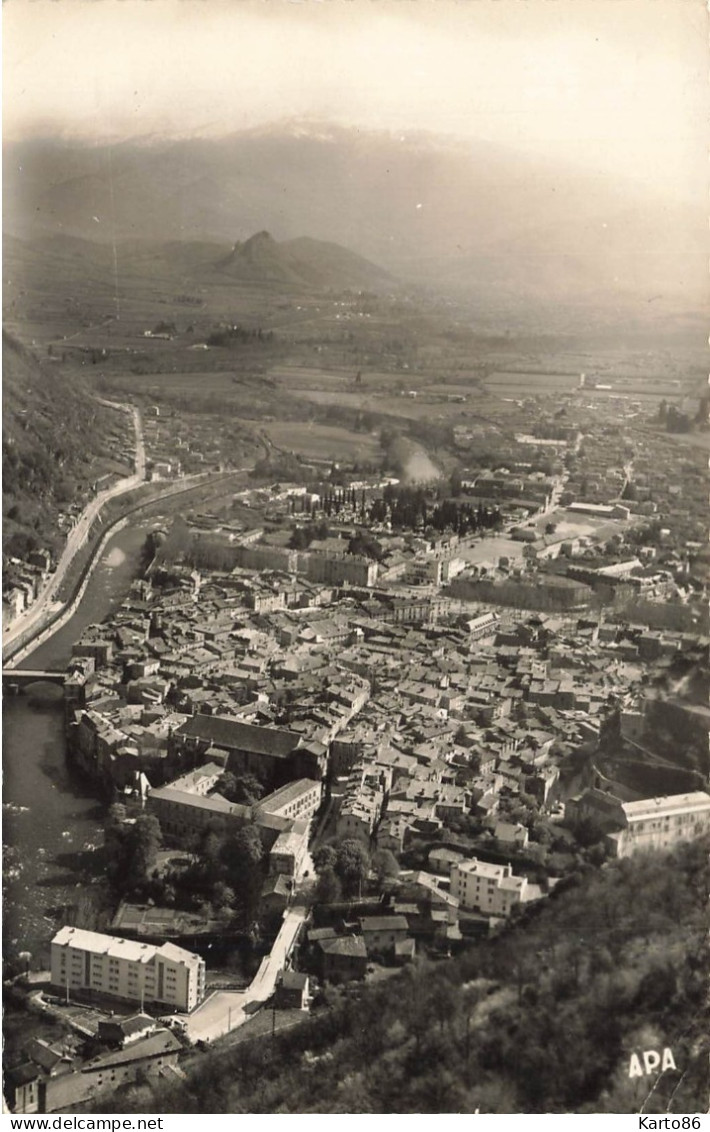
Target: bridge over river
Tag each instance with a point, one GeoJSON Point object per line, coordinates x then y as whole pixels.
{"type": "Point", "coordinates": [19, 678]}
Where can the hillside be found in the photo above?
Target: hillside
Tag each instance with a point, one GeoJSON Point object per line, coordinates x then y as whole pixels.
{"type": "Point", "coordinates": [56, 442]}
{"type": "Point", "coordinates": [302, 266]}
{"type": "Point", "coordinates": [542, 1018]}
{"type": "Point", "coordinates": [302, 263]}
{"type": "Point", "coordinates": [473, 218]}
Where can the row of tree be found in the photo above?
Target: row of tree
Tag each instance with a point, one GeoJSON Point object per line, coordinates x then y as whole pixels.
{"type": "Point", "coordinates": [417, 508]}
{"type": "Point", "coordinates": [344, 868]}
{"type": "Point", "coordinates": [238, 335]}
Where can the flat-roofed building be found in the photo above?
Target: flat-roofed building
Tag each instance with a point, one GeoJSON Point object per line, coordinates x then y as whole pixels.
{"type": "Point", "coordinates": [287, 855]}
{"type": "Point", "coordinates": [483, 887]}
{"type": "Point", "coordinates": [137, 972]}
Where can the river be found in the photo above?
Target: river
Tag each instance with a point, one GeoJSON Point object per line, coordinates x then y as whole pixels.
{"type": "Point", "coordinates": [52, 823]}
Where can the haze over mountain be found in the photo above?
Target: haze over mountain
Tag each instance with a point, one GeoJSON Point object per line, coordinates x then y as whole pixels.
{"type": "Point", "coordinates": [301, 265]}
{"type": "Point", "coordinates": [473, 218]}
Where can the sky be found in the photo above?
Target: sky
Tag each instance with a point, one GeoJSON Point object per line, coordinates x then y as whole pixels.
{"type": "Point", "coordinates": [618, 87]}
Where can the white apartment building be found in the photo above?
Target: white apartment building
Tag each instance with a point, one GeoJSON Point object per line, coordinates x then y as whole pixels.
{"type": "Point", "coordinates": [137, 972]}
{"type": "Point", "coordinates": [482, 887]}
{"type": "Point", "coordinates": [656, 823]}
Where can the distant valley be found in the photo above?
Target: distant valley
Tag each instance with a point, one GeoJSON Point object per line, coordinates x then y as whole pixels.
{"type": "Point", "coordinates": [506, 235]}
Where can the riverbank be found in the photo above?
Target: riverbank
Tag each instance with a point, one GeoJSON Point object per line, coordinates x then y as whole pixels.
{"type": "Point", "coordinates": [53, 828]}
{"type": "Point", "coordinates": [53, 821]}
{"type": "Point", "coordinates": [83, 534]}
{"type": "Point", "coordinates": [79, 570]}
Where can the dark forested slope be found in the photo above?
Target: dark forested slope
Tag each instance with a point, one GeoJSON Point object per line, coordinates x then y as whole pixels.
{"type": "Point", "coordinates": [543, 1018]}
{"type": "Point", "coordinates": [57, 440]}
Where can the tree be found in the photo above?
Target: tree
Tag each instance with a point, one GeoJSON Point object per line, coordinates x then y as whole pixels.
{"type": "Point", "coordinates": [300, 539]}
{"type": "Point", "coordinates": [328, 889]}
{"type": "Point", "coordinates": [352, 865]}
{"type": "Point", "coordinates": [384, 864]}
{"type": "Point", "coordinates": [222, 895]}
{"type": "Point", "coordinates": [144, 842]}
{"type": "Point", "coordinates": [366, 546]}
{"type": "Point", "coordinates": [132, 848]}
{"type": "Point", "coordinates": [325, 857]}
{"type": "Point", "coordinates": [116, 844]}
{"type": "Point", "coordinates": [550, 528]}
{"type": "Point", "coordinates": [178, 541]}
{"type": "Point", "coordinates": [116, 815]}
{"type": "Point", "coordinates": [242, 856]}
{"type": "Point", "coordinates": [589, 831]}
{"type": "Point", "coordinates": [245, 789]}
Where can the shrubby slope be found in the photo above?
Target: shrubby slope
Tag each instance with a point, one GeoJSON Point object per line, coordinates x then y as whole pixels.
{"type": "Point", "coordinates": [543, 1018]}
{"type": "Point", "coordinates": [56, 441]}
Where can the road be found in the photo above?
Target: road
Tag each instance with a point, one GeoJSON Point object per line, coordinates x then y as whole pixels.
{"type": "Point", "coordinates": [181, 486]}
{"type": "Point", "coordinates": [45, 603]}
{"type": "Point", "coordinates": [224, 1010]}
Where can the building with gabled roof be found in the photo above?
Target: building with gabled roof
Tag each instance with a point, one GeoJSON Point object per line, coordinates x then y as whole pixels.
{"type": "Point", "coordinates": [657, 823]}
{"type": "Point", "coordinates": [381, 933]}
{"type": "Point", "coordinates": [646, 823]}
{"type": "Point", "coordinates": [271, 752]}
{"type": "Point", "coordinates": [152, 1054]}
{"type": "Point", "coordinates": [343, 958]}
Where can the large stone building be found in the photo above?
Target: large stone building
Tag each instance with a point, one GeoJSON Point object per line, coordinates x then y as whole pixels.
{"type": "Point", "coordinates": [274, 754]}
{"type": "Point", "coordinates": [656, 823]}
{"type": "Point", "coordinates": [185, 811]}
{"type": "Point", "coordinates": [650, 823]}
{"type": "Point", "coordinates": [136, 972]}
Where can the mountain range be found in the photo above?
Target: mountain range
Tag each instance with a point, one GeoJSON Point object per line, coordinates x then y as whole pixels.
{"type": "Point", "coordinates": [469, 218]}
{"type": "Point", "coordinates": [301, 265]}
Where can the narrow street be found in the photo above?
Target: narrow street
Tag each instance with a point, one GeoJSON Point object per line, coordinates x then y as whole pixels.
{"type": "Point", "coordinates": [223, 1011]}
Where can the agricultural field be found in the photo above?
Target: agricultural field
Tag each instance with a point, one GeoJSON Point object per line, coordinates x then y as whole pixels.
{"type": "Point", "coordinates": [425, 406]}
{"type": "Point", "coordinates": [527, 384]}
{"type": "Point", "coordinates": [322, 441]}
{"type": "Point", "coordinates": [489, 550]}
{"type": "Point", "coordinates": [338, 369]}
{"type": "Point", "coordinates": [571, 525]}
{"type": "Point", "coordinates": [692, 439]}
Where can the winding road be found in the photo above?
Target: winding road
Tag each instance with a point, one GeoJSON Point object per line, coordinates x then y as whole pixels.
{"type": "Point", "coordinates": [45, 605]}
